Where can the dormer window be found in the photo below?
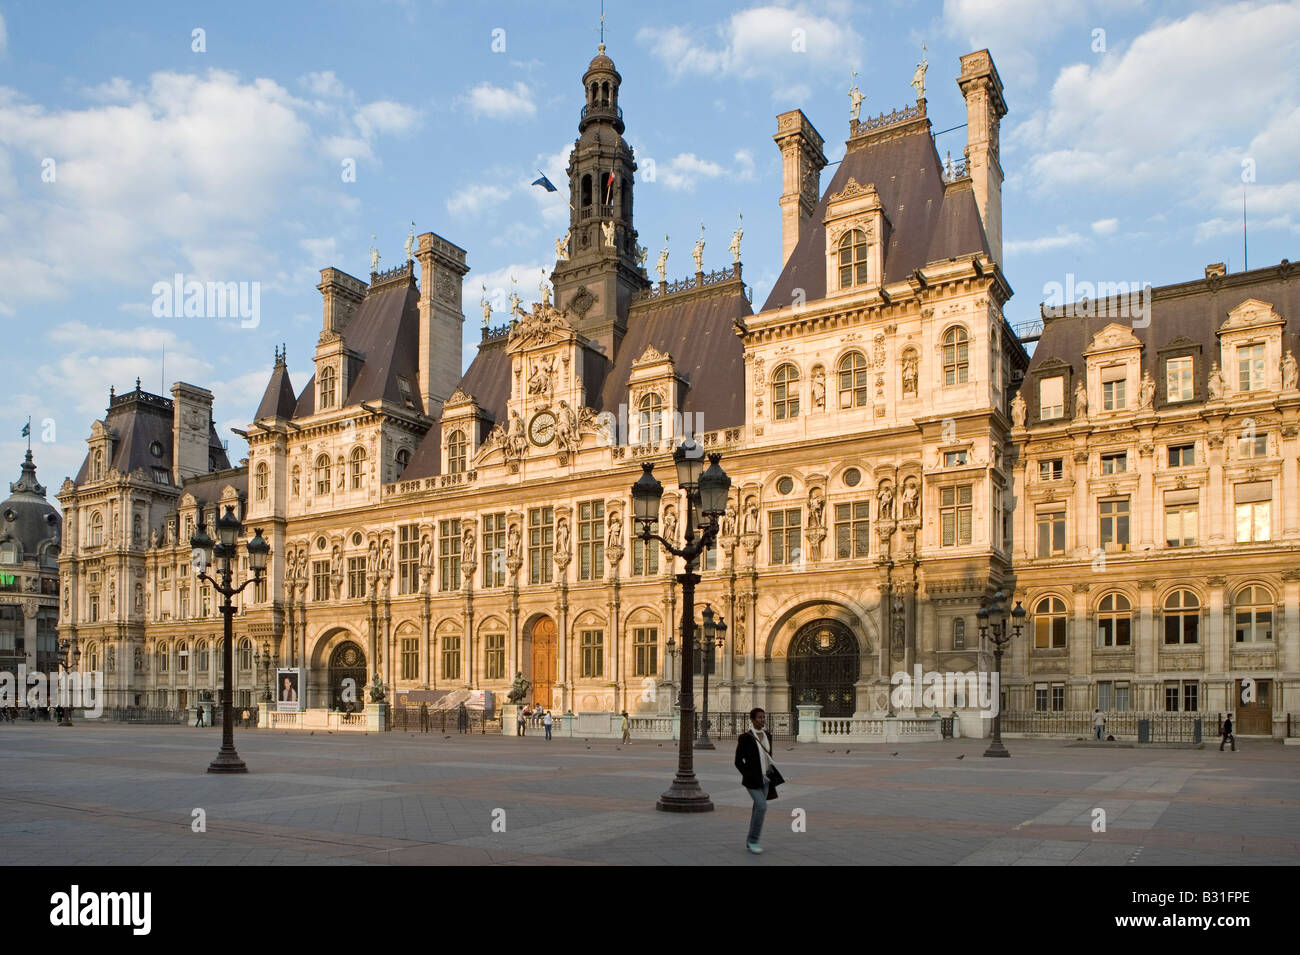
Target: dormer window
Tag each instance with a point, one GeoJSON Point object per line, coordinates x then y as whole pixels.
{"type": "Point", "coordinates": [1051, 398]}
{"type": "Point", "coordinates": [97, 464]}
{"type": "Point", "coordinates": [456, 448]}
{"type": "Point", "coordinates": [1179, 385]}
{"type": "Point", "coordinates": [649, 425]}
{"type": "Point", "coordinates": [403, 458]}
{"type": "Point", "coordinates": [853, 259]}
{"type": "Point", "coordinates": [327, 383]}
{"type": "Point", "coordinates": [404, 389]}
{"type": "Point", "coordinates": [262, 481]}
{"type": "Point", "coordinates": [1250, 366]}
{"type": "Point", "coordinates": [1114, 387]}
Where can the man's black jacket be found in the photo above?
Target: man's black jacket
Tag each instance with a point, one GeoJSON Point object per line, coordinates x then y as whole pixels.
{"type": "Point", "coordinates": [749, 762]}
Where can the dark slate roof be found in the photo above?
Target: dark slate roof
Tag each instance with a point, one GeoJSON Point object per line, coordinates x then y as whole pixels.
{"type": "Point", "coordinates": [27, 516]}
{"type": "Point", "coordinates": [139, 419]}
{"type": "Point", "coordinates": [1191, 311]}
{"type": "Point", "coordinates": [278, 401]}
{"type": "Point", "coordinates": [207, 488]}
{"type": "Point", "coordinates": [926, 222]}
{"type": "Point", "coordinates": [487, 380]}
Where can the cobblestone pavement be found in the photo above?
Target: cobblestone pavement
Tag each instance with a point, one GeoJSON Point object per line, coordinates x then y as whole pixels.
{"type": "Point", "coordinates": [126, 795]}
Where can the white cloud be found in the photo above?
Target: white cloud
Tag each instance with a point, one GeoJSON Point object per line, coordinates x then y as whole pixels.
{"type": "Point", "coordinates": [1105, 226]}
{"type": "Point", "coordinates": [325, 83]}
{"type": "Point", "coordinates": [474, 199]}
{"type": "Point", "coordinates": [1048, 243]}
{"type": "Point", "coordinates": [744, 170]}
{"type": "Point", "coordinates": [523, 278]}
{"type": "Point", "coordinates": [683, 172]}
{"type": "Point", "coordinates": [116, 90]}
{"type": "Point", "coordinates": [498, 102]}
{"type": "Point", "coordinates": [384, 117]}
{"type": "Point", "coordinates": [789, 48]}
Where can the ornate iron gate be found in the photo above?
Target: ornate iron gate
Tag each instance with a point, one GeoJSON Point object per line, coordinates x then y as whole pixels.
{"type": "Point", "coordinates": [824, 667]}
{"type": "Point", "coordinates": [347, 662]}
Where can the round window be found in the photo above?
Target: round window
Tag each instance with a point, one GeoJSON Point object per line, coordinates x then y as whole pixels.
{"type": "Point", "coordinates": [156, 449]}
{"type": "Point", "coordinates": [320, 543]}
{"type": "Point", "coordinates": [356, 540]}
{"type": "Point", "coordinates": [852, 477]}
{"type": "Point", "coordinates": [785, 485]}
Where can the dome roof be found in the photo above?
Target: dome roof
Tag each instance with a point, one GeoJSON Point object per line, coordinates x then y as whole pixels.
{"type": "Point", "coordinates": [601, 62]}
{"type": "Point", "coordinates": [27, 517]}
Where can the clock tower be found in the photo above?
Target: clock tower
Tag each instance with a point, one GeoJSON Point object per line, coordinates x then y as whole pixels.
{"type": "Point", "coordinates": [598, 271]}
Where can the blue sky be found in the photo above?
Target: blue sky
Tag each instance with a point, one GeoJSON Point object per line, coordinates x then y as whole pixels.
{"type": "Point", "coordinates": [1129, 124]}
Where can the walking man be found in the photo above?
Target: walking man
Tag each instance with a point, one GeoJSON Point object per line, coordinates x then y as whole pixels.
{"type": "Point", "coordinates": [627, 727]}
{"type": "Point", "coordinates": [1098, 724]}
{"type": "Point", "coordinates": [757, 773]}
{"type": "Point", "coordinates": [519, 722]}
{"type": "Point", "coordinates": [1226, 734]}
{"type": "Point", "coordinates": [547, 721]}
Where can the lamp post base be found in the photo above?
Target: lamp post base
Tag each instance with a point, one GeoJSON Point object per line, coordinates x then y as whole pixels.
{"type": "Point", "coordinates": [685, 796]}
{"type": "Point", "coordinates": [996, 749]}
{"type": "Point", "coordinates": [704, 743]}
{"type": "Point", "coordinates": [227, 761]}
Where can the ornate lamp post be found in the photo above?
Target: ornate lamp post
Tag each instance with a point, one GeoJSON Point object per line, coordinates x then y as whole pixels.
{"type": "Point", "coordinates": [713, 635]}
{"type": "Point", "coordinates": [69, 658]}
{"type": "Point", "coordinates": [707, 490]}
{"type": "Point", "coordinates": [993, 625]}
{"type": "Point", "coordinates": [203, 551]}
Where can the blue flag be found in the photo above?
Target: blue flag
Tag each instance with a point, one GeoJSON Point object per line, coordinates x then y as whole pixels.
{"type": "Point", "coordinates": [27, 429]}
{"type": "Point", "coordinates": [545, 183]}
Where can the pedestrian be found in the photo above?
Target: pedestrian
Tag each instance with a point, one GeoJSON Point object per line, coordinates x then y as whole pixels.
{"type": "Point", "coordinates": [757, 773]}
{"type": "Point", "coordinates": [1098, 724]}
{"type": "Point", "coordinates": [546, 722]}
{"type": "Point", "coordinates": [519, 721]}
{"type": "Point", "coordinates": [199, 720]}
{"type": "Point", "coordinates": [1226, 734]}
{"type": "Point", "coordinates": [424, 717]}
{"type": "Point", "coordinates": [462, 718]}
{"type": "Point", "coordinates": [245, 716]}
{"type": "Point", "coordinates": [627, 726]}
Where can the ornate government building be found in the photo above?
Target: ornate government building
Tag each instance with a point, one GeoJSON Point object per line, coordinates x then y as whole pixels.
{"type": "Point", "coordinates": [443, 530]}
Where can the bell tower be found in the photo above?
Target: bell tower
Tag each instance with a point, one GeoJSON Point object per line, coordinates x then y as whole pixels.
{"type": "Point", "coordinates": [597, 271]}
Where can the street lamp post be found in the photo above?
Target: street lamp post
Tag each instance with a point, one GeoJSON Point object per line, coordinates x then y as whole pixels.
{"type": "Point", "coordinates": [706, 489]}
{"type": "Point", "coordinates": [993, 625]}
{"type": "Point", "coordinates": [202, 553]}
{"type": "Point", "coordinates": [69, 658]}
{"type": "Point", "coordinates": [713, 634]}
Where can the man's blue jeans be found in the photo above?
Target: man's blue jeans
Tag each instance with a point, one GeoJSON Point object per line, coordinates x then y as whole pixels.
{"type": "Point", "coordinates": [1098, 729]}
{"type": "Point", "coordinates": [756, 816]}
{"type": "Point", "coordinates": [548, 730]}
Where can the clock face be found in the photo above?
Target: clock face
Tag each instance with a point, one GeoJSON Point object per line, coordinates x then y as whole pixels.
{"type": "Point", "coordinates": [541, 430]}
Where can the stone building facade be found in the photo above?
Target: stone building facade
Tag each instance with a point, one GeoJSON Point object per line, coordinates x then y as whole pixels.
{"type": "Point", "coordinates": [30, 535]}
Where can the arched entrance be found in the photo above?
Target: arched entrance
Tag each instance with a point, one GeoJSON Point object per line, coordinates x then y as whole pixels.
{"type": "Point", "coordinates": [347, 662]}
{"type": "Point", "coordinates": [543, 660]}
{"type": "Point", "coordinates": [824, 666]}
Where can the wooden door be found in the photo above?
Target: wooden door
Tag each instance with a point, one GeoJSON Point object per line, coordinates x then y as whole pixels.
{"type": "Point", "coordinates": [1256, 718]}
{"type": "Point", "coordinates": [543, 675]}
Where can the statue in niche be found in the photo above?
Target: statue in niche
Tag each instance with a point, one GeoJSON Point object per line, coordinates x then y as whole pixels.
{"type": "Point", "coordinates": [819, 388]}
{"type": "Point", "coordinates": [816, 508]}
{"type": "Point", "coordinates": [1018, 410]}
{"type": "Point", "coordinates": [386, 557]}
{"type": "Point", "coordinates": [670, 524]}
{"type": "Point", "coordinates": [467, 545]}
{"type": "Point", "coordinates": [372, 558]}
{"type": "Point", "coordinates": [751, 516]}
{"type": "Point", "coordinates": [728, 528]}
{"type": "Point", "coordinates": [1081, 401]}
{"type": "Point", "coordinates": [910, 499]}
{"type": "Point", "coordinates": [607, 233]}
{"type": "Point", "coordinates": [614, 539]}
{"type": "Point", "coordinates": [426, 551]}
{"type": "Point", "coordinates": [1290, 373]}
{"type": "Point", "coordinates": [562, 536]}
{"type": "Point", "coordinates": [1146, 391]}
{"type": "Point", "coordinates": [885, 499]}
{"type": "Point", "coordinates": [910, 375]}
{"type": "Point", "coordinates": [1216, 381]}
{"type": "Point", "coordinates": [513, 540]}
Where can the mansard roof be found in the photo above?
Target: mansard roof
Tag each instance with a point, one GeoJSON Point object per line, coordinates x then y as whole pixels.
{"type": "Point", "coordinates": [928, 223]}
{"type": "Point", "coordinates": [1187, 314]}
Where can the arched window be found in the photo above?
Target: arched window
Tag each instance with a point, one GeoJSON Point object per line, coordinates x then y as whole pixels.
{"type": "Point", "coordinates": [358, 462]}
{"type": "Point", "coordinates": [1049, 623]}
{"type": "Point", "coordinates": [403, 458]}
{"type": "Point", "coordinates": [9, 553]}
{"type": "Point", "coordinates": [245, 654]}
{"type": "Point", "coordinates": [323, 474]}
{"type": "Point", "coordinates": [785, 392]}
{"type": "Point", "coordinates": [1253, 607]}
{"type": "Point", "coordinates": [586, 180]}
{"type": "Point", "coordinates": [183, 657]}
{"type": "Point", "coordinates": [649, 420]}
{"type": "Point", "coordinates": [162, 657]}
{"type": "Point", "coordinates": [92, 655]}
{"type": "Point", "coordinates": [260, 486]}
{"type": "Point", "coordinates": [456, 452]}
{"type": "Point", "coordinates": [1182, 617]}
{"type": "Point", "coordinates": [327, 380]}
{"type": "Point", "coordinates": [1114, 621]}
{"type": "Point", "coordinates": [853, 380]}
{"type": "Point", "coordinates": [204, 663]}
{"type": "Point", "coordinates": [959, 634]}
{"type": "Point", "coordinates": [96, 528]}
{"type": "Point", "coordinates": [956, 356]}
{"type": "Point", "coordinates": [97, 466]}
{"type": "Point", "coordinates": [853, 259]}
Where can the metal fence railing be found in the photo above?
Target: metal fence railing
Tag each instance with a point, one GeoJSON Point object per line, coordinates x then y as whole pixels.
{"type": "Point", "coordinates": [415, 719]}
{"type": "Point", "coordinates": [149, 714]}
{"type": "Point", "coordinates": [1154, 727]}
{"type": "Point", "coordinates": [782, 727]}
{"type": "Point", "coordinates": [1293, 726]}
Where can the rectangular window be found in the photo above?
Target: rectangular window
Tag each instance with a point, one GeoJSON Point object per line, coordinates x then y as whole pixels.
{"type": "Point", "coordinates": [1122, 704]}
{"type": "Point", "coordinates": [495, 656]}
{"type": "Point", "coordinates": [1040, 697]}
{"type": "Point", "coordinates": [494, 550]}
{"type": "Point", "coordinates": [356, 578]}
{"type": "Point", "coordinates": [451, 656]}
{"type": "Point", "coordinates": [784, 541]}
{"type": "Point", "coordinates": [1112, 395]}
{"type": "Point", "coordinates": [1182, 628]}
{"type": "Point", "coordinates": [955, 515]}
{"type": "Point", "coordinates": [954, 459]}
{"type": "Point", "coordinates": [1116, 463]}
{"type": "Point", "coordinates": [1052, 469]}
{"type": "Point", "coordinates": [645, 557]}
{"type": "Point", "coordinates": [1250, 367]}
{"type": "Point", "coordinates": [1114, 630]}
{"type": "Point", "coordinates": [1254, 522]}
{"type": "Point", "coordinates": [449, 555]}
{"type": "Point", "coordinates": [1252, 446]}
{"type": "Point", "coordinates": [410, 658]}
{"type": "Point", "coordinates": [92, 608]}
{"type": "Point", "coordinates": [1058, 697]}
{"type": "Point", "coordinates": [408, 558]}
{"type": "Point", "coordinates": [320, 582]}
{"type": "Point", "coordinates": [185, 602]}
{"type": "Point", "coordinates": [1182, 455]}
{"type": "Point", "coordinates": [1051, 533]}
{"type": "Point", "coordinates": [1105, 696]}
{"type": "Point", "coordinates": [591, 540]}
{"type": "Point", "coordinates": [1179, 385]}
{"type": "Point", "coordinates": [1051, 398]}
{"type": "Point", "coordinates": [1173, 692]}
{"type": "Point", "coordinates": [645, 643]}
{"type": "Point", "coordinates": [593, 653]}
{"type": "Point", "coordinates": [541, 544]}
{"type": "Point", "coordinates": [1114, 518]}
{"type": "Point", "coordinates": [1191, 697]}
{"type": "Point", "coordinates": [852, 530]}
{"type": "Point", "coordinates": [1180, 525]}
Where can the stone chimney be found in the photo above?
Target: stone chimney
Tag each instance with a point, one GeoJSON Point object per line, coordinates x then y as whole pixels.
{"type": "Point", "coordinates": [442, 266]}
{"type": "Point", "coordinates": [982, 87]}
{"type": "Point", "coordinates": [191, 429]}
{"type": "Point", "coordinates": [802, 160]}
{"type": "Point", "coordinates": [342, 294]}
{"type": "Point", "coordinates": [1216, 270]}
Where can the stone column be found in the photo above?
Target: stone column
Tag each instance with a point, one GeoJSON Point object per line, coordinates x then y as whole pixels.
{"type": "Point", "coordinates": [1146, 504]}
{"type": "Point", "coordinates": [1290, 481]}
{"type": "Point", "coordinates": [1217, 645]}
{"type": "Point", "coordinates": [1220, 508]}
{"type": "Point", "coordinates": [1085, 521]}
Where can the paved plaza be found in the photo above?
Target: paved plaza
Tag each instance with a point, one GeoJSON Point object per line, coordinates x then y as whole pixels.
{"type": "Point", "coordinates": [126, 795]}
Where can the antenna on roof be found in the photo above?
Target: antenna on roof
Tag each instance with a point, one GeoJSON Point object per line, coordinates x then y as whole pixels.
{"type": "Point", "coordinates": [1245, 250]}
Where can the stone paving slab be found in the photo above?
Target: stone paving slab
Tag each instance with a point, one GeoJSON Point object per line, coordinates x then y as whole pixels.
{"type": "Point", "coordinates": [124, 795]}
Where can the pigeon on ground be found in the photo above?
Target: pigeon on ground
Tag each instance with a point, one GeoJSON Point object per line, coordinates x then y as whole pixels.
{"type": "Point", "coordinates": [788, 749]}
{"type": "Point", "coordinates": [661, 745]}
{"type": "Point", "coordinates": [312, 733]}
{"type": "Point", "coordinates": [588, 747]}
{"type": "Point", "coordinates": [962, 756]}
{"type": "Point", "coordinates": [847, 751]}
{"type": "Point", "coordinates": [830, 751]}
{"type": "Point", "coordinates": [893, 754]}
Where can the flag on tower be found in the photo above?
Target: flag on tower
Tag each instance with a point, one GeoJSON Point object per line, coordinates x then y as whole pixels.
{"type": "Point", "coordinates": [27, 430]}
{"type": "Point", "coordinates": [545, 183]}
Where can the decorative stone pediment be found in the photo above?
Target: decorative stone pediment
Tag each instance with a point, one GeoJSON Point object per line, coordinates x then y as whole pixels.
{"type": "Point", "coordinates": [544, 325]}
{"type": "Point", "coordinates": [1113, 337]}
{"type": "Point", "coordinates": [852, 190]}
{"type": "Point", "coordinates": [1251, 313]}
{"type": "Point", "coordinates": [652, 356]}
{"type": "Point", "coordinates": [457, 399]}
